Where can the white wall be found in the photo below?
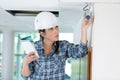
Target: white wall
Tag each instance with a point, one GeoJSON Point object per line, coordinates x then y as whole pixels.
{"type": "Point", "coordinates": [106, 42]}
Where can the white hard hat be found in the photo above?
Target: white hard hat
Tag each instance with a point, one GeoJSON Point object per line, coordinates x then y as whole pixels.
{"type": "Point", "coordinates": [45, 20]}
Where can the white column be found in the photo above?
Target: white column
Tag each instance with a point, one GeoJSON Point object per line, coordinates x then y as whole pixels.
{"type": "Point", "coordinates": [7, 55]}
{"type": "Point", "coordinates": [106, 42]}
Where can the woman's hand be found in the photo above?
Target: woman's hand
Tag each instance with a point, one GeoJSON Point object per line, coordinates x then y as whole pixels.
{"type": "Point", "coordinates": [87, 23]}
{"type": "Point", "coordinates": [30, 57]}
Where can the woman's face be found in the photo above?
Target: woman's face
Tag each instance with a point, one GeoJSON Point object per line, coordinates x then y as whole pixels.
{"type": "Point", "coordinates": [51, 34]}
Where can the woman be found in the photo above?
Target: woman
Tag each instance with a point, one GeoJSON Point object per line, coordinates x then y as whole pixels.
{"type": "Point", "coordinates": [52, 52]}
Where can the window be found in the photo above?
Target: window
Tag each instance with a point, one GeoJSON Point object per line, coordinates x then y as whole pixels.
{"type": "Point", "coordinates": [18, 52]}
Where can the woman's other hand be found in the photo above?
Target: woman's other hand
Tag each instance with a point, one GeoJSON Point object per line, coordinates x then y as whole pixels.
{"type": "Point", "coordinates": [30, 57]}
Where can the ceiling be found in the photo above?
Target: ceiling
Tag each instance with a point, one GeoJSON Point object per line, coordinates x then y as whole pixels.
{"type": "Point", "coordinates": [18, 15]}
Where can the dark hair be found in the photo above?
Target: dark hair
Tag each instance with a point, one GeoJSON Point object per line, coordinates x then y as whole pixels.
{"type": "Point", "coordinates": [56, 42]}
{"type": "Point", "coordinates": [56, 47]}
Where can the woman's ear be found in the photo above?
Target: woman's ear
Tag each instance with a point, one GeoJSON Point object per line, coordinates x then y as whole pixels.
{"type": "Point", "coordinates": [42, 34]}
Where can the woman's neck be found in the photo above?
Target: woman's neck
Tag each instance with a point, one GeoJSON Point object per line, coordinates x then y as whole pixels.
{"type": "Point", "coordinates": [47, 44]}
